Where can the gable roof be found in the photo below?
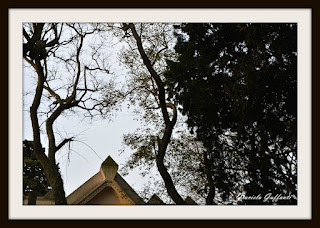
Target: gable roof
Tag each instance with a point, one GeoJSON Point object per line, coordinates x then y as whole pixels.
{"type": "Point", "coordinates": [106, 187]}
{"type": "Point", "coordinates": [128, 190]}
{"type": "Point", "coordinates": [155, 200]}
{"type": "Point", "coordinates": [106, 180]}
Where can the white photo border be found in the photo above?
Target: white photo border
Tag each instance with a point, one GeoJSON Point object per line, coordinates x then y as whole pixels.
{"type": "Point", "coordinates": [301, 16]}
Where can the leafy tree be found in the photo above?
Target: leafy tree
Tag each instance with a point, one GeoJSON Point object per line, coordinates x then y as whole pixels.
{"type": "Point", "coordinates": [162, 142]}
{"type": "Point", "coordinates": [35, 182]}
{"type": "Point", "coordinates": [70, 75]}
{"type": "Point", "coordinates": [184, 158]}
{"type": "Point", "coordinates": [237, 85]}
{"type": "Point", "coordinates": [147, 46]}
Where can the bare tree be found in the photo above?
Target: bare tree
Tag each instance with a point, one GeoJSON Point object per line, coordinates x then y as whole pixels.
{"type": "Point", "coordinates": [67, 80]}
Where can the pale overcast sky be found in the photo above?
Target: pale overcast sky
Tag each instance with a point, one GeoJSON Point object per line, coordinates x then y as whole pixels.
{"type": "Point", "coordinates": [95, 140]}
{"type": "Point", "coordinates": [105, 137]}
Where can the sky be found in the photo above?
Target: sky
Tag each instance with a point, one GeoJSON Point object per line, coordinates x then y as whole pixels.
{"type": "Point", "coordinates": [95, 139]}
{"type": "Point", "coordinates": [80, 169]}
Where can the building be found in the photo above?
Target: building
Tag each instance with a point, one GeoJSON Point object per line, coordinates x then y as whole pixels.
{"type": "Point", "coordinates": [106, 187]}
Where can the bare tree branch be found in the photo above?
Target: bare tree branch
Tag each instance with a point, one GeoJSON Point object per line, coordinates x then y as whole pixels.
{"type": "Point", "coordinates": [43, 46]}
{"type": "Point", "coordinates": [65, 141]}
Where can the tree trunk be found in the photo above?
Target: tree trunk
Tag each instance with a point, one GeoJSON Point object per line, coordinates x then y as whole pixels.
{"type": "Point", "coordinates": [211, 194]}
{"type": "Point", "coordinates": [32, 198]}
{"type": "Point", "coordinates": [57, 187]}
{"type": "Point", "coordinates": [49, 166]}
{"type": "Point", "coordinates": [163, 143]}
{"type": "Point", "coordinates": [168, 182]}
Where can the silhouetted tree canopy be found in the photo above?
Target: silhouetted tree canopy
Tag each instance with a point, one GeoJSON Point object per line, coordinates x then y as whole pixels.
{"type": "Point", "coordinates": [237, 84]}
{"type": "Point", "coordinates": [35, 182]}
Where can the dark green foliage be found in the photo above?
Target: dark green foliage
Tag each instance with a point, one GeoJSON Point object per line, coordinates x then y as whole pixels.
{"type": "Point", "coordinates": [35, 181]}
{"type": "Point", "coordinates": [237, 84]}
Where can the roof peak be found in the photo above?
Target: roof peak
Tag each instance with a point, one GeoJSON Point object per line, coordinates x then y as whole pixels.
{"type": "Point", "coordinates": [109, 168]}
{"type": "Point", "coordinates": [109, 162]}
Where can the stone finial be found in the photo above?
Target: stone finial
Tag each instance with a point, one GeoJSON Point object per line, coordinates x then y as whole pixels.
{"type": "Point", "coordinates": [109, 169]}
